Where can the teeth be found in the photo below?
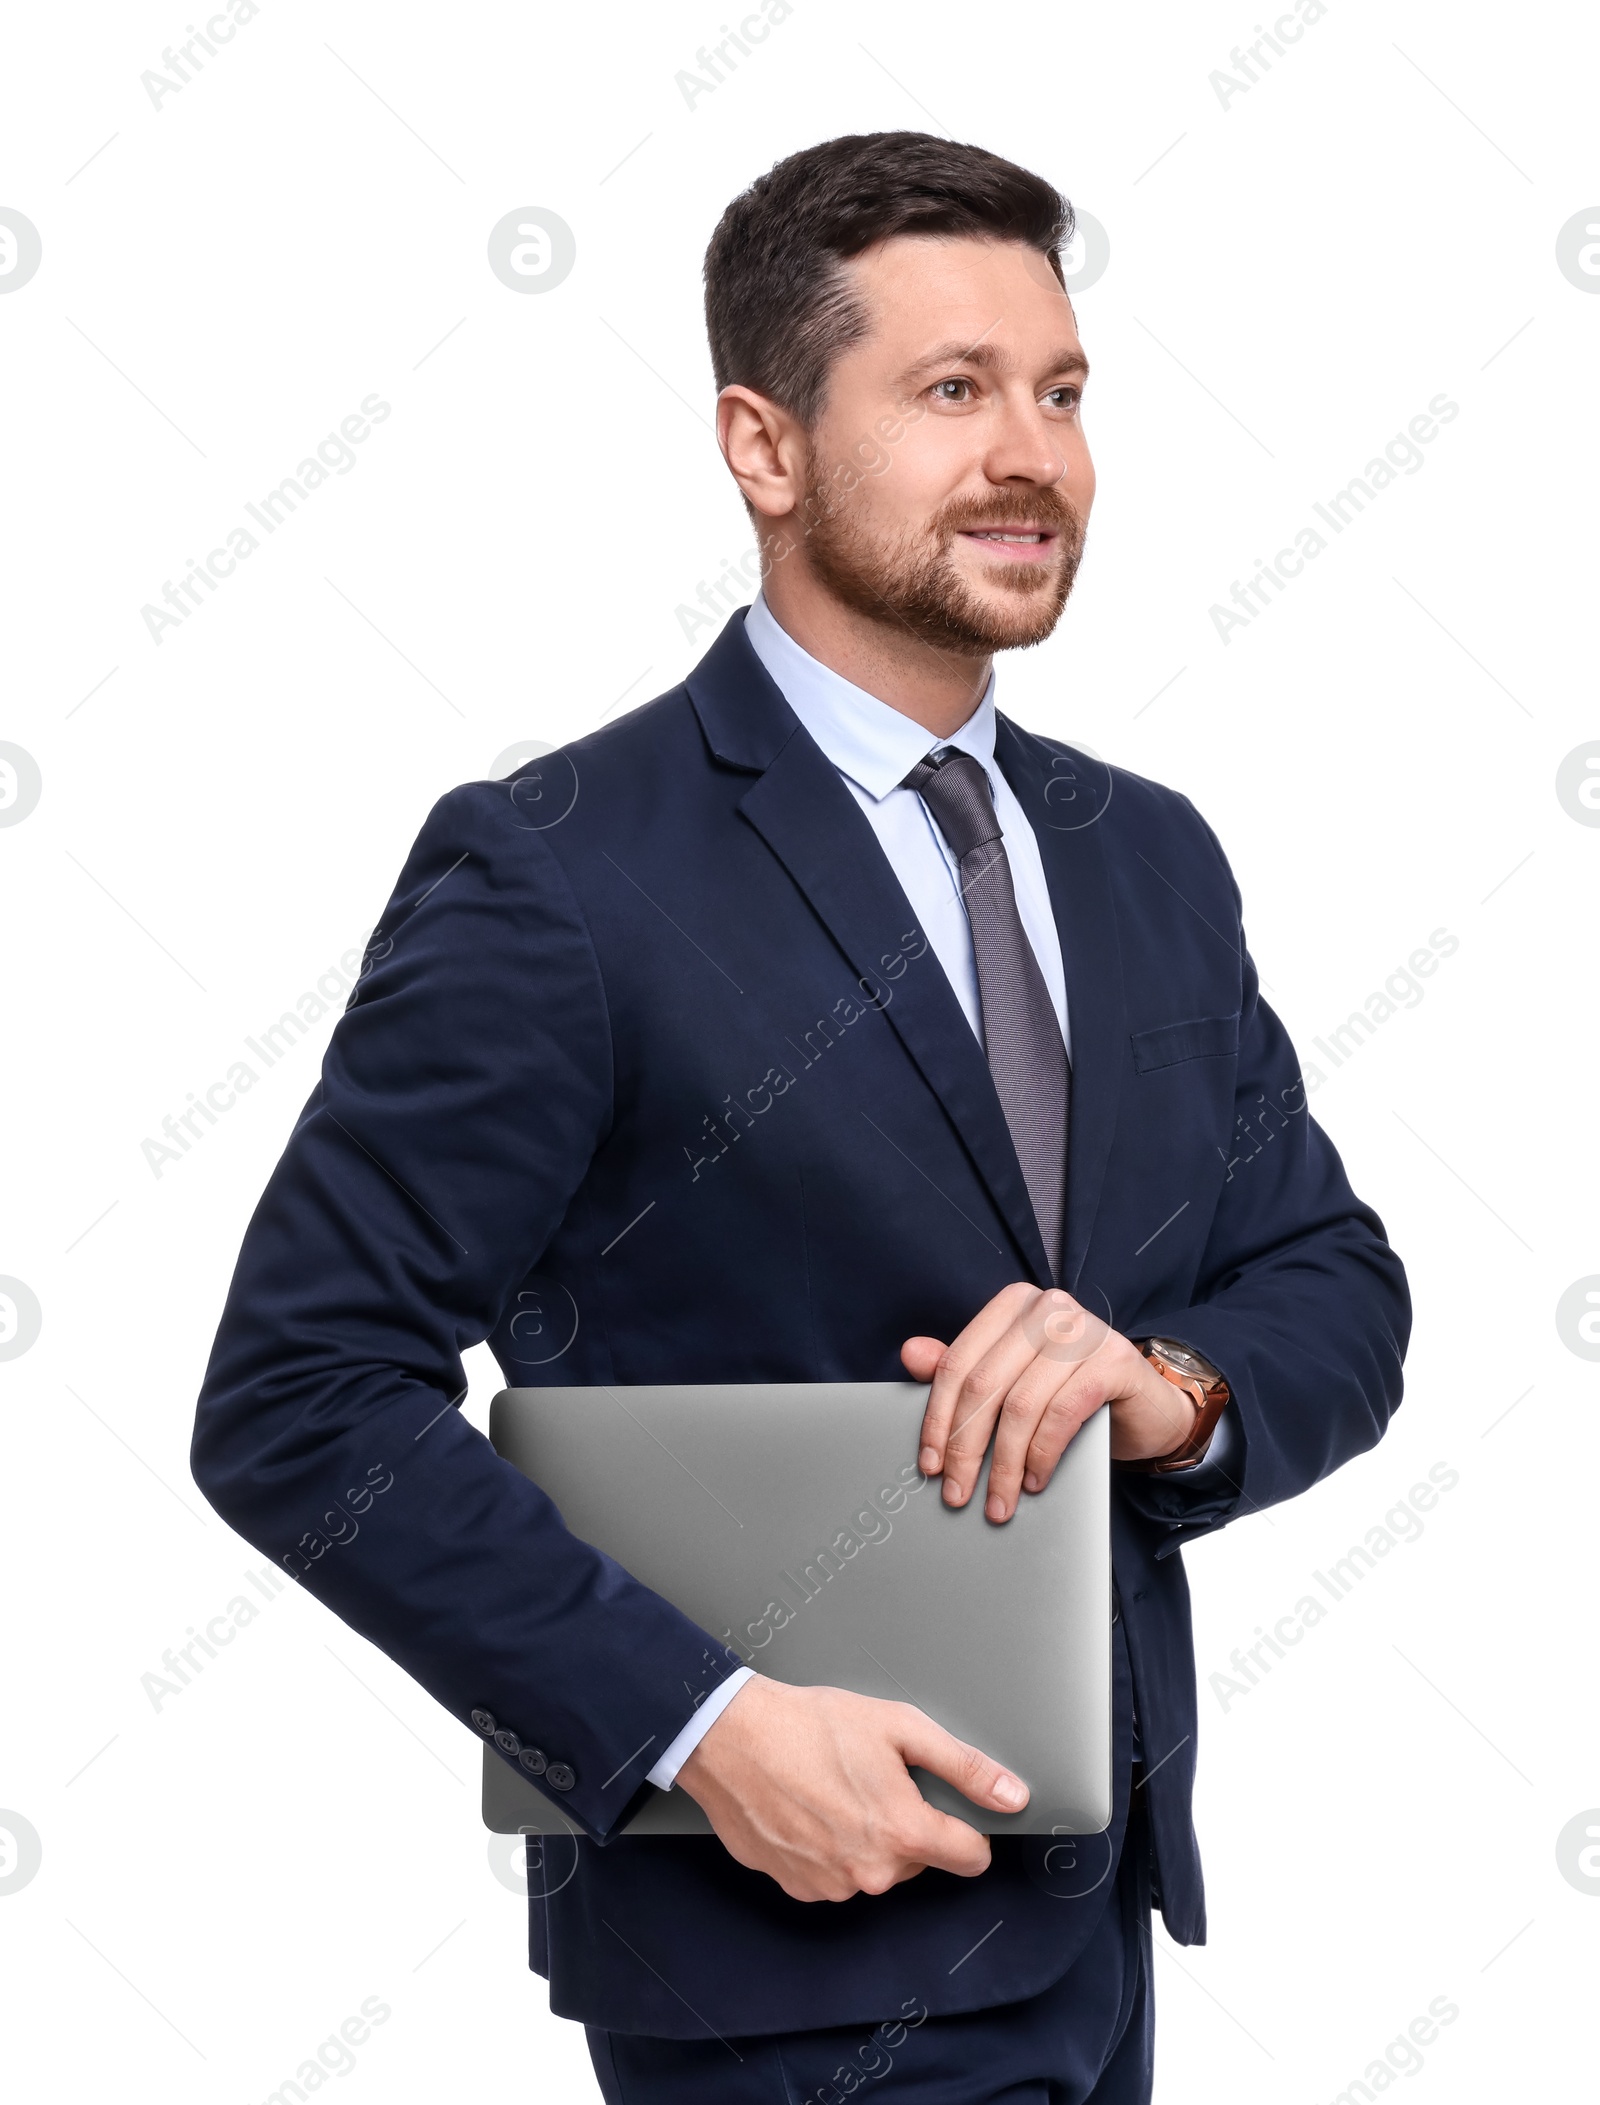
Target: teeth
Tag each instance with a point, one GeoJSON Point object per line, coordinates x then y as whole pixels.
{"type": "Point", "coordinates": [1024, 538]}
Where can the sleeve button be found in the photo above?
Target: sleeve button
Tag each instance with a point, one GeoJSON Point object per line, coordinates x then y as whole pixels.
{"type": "Point", "coordinates": [532, 1759]}
{"type": "Point", "coordinates": [484, 1720]}
{"type": "Point", "coordinates": [559, 1776]}
{"type": "Point", "coordinates": [506, 1740]}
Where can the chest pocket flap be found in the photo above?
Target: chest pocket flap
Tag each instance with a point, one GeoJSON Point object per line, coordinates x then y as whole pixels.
{"type": "Point", "coordinates": [1201, 1038]}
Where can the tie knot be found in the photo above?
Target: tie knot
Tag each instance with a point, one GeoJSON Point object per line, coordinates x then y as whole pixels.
{"type": "Point", "coordinates": [956, 790]}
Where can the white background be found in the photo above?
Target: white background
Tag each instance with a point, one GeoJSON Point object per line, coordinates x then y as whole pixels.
{"type": "Point", "coordinates": [1291, 279]}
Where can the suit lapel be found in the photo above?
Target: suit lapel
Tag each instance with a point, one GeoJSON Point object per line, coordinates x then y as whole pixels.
{"type": "Point", "coordinates": [819, 833]}
{"type": "Point", "coordinates": [1065, 804]}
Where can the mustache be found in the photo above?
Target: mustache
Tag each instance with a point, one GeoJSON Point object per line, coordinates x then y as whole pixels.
{"type": "Point", "coordinates": [1043, 510]}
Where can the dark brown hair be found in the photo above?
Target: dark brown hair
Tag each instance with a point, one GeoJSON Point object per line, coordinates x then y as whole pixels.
{"type": "Point", "coordinates": [779, 309]}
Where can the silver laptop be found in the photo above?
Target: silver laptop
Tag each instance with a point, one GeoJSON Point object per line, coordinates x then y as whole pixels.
{"type": "Point", "coordinates": [792, 1522]}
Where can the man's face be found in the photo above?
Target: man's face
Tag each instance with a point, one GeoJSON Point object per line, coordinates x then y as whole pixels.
{"type": "Point", "coordinates": [950, 481]}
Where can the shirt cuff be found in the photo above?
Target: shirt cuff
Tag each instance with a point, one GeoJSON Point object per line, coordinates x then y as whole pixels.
{"type": "Point", "coordinates": [665, 1773]}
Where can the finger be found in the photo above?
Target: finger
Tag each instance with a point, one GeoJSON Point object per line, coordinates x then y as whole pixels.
{"type": "Point", "coordinates": [1042, 1410]}
{"type": "Point", "coordinates": [991, 1322]}
{"type": "Point", "coordinates": [979, 1367]}
{"type": "Point", "coordinates": [921, 1356]}
{"type": "Point", "coordinates": [944, 1843]}
{"type": "Point", "coordinates": [979, 1404]}
{"type": "Point", "coordinates": [1063, 1418]}
{"type": "Point", "coordinates": [976, 1775]}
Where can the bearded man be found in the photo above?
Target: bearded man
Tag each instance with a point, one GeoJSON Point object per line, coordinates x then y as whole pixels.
{"type": "Point", "coordinates": [815, 1022]}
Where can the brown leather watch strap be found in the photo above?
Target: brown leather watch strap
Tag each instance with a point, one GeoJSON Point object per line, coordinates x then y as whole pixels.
{"type": "Point", "coordinates": [1209, 1399]}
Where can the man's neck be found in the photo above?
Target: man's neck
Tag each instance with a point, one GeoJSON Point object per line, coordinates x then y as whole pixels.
{"type": "Point", "coordinates": [935, 688]}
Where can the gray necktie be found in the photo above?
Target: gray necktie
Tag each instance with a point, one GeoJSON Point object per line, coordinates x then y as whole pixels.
{"type": "Point", "coordinates": [1021, 1032]}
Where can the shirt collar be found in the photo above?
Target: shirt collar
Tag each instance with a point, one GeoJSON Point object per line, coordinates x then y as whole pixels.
{"type": "Point", "coordinates": [874, 745]}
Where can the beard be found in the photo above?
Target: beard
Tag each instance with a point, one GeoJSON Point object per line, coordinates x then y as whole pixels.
{"type": "Point", "coordinates": [911, 582]}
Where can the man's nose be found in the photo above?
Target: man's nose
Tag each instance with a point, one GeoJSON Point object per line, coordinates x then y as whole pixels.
{"type": "Point", "coordinates": [1023, 447]}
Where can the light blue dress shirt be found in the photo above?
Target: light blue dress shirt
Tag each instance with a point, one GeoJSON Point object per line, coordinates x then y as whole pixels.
{"type": "Point", "coordinates": [874, 748]}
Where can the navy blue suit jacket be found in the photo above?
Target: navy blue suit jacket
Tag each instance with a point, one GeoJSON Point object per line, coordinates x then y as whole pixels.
{"type": "Point", "coordinates": [651, 1077]}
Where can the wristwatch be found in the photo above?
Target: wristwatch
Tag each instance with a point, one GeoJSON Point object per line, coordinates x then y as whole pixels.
{"type": "Point", "coordinates": [1202, 1383]}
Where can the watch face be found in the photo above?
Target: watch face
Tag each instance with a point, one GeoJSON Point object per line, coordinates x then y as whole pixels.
{"type": "Point", "coordinates": [1186, 1360]}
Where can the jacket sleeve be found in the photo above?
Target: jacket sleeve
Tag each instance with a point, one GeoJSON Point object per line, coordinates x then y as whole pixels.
{"type": "Point", "coordinates": [464, 1093]}
{"type": "Point", "coordinates": [1299, 1300]}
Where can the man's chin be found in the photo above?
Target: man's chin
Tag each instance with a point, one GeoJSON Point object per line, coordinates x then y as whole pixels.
{"type": "Point", "coordinates": [1012, 613]}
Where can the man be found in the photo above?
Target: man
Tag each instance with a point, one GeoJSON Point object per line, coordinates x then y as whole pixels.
{"type": "Point", "coordinates": [815, 1022]}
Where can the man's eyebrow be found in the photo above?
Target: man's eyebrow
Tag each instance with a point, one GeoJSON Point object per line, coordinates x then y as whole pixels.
{"type": "Point", "coordinates": [989, 358]}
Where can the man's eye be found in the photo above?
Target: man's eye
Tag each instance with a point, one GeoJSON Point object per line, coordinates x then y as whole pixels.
{"type": "Point", "coordinates": [965, 387]}
{"type": "Point", "coordinates": [1064, 397]}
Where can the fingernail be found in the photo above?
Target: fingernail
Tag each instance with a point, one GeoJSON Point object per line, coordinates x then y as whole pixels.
{"type": "Point", "coordinates": [1030, 1482]}
{"type": "Point", "coordinates": [996, 1509]}
{"type": "Point", "coordinates": [1011, 1792]}
{"type": "Point", "coordinates": [952, 1492]}
{"type": "Point", "coordinates": [928, 1460]}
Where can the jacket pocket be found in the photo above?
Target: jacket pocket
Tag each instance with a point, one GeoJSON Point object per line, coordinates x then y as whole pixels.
{"type": "Point", "coordinates": [1201, 1038]}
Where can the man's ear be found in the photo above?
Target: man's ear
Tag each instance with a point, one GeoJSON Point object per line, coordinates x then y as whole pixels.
{"type": "Point", "coordinates": [765, 448]}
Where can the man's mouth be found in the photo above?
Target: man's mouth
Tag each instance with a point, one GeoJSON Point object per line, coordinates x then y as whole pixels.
{"type": "Point", "coordinates": [1018, 543]}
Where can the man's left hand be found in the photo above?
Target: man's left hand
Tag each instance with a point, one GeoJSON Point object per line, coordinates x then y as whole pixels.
{"type": "Point", "coordinates": [1031, 1368]}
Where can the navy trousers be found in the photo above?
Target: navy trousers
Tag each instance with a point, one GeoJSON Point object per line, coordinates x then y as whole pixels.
{"type": "Point", "coordinates": [1087, 2040]}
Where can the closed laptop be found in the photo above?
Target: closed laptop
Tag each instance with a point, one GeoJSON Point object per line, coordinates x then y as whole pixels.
{"type": "Point", "coordinates": [792, 1522]}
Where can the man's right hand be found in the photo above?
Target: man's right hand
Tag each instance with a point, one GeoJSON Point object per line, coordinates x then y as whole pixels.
{"type": "Point", "coordinates": [810, 1785]}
